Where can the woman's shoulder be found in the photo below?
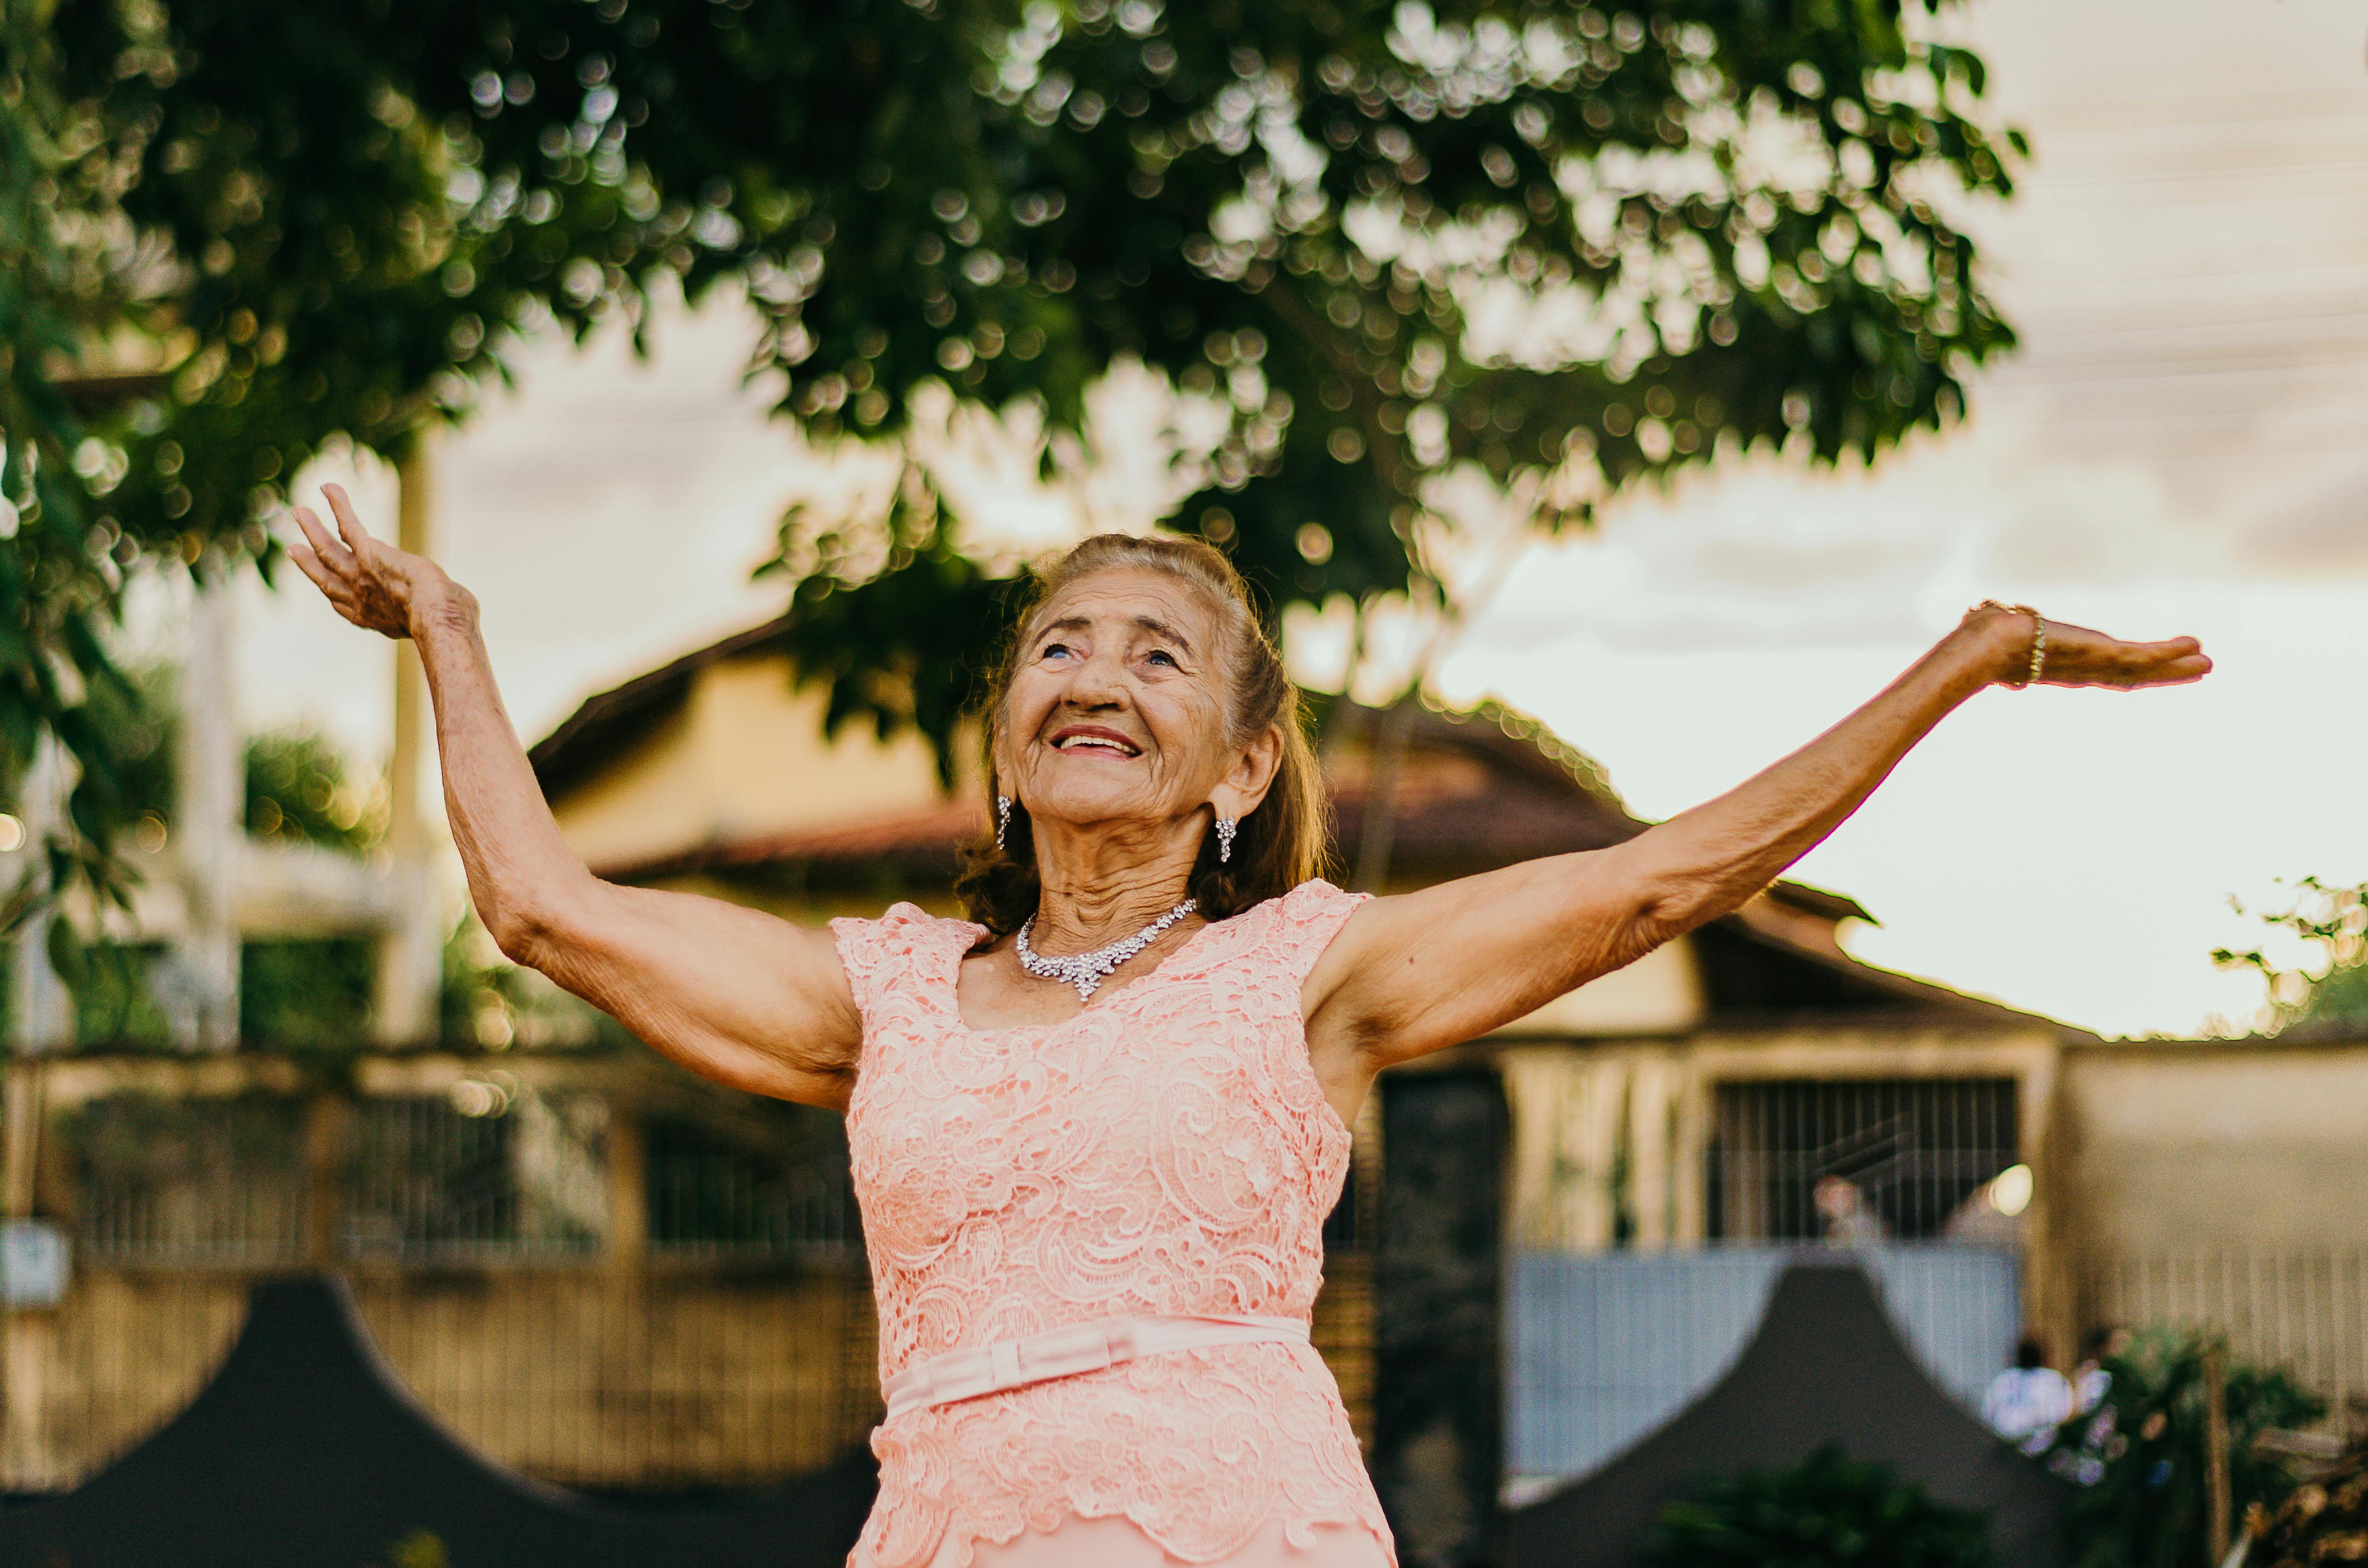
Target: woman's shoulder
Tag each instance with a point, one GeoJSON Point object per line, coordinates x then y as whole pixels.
{"type": "Point", "coordinates": [889, 945]}
{"type": "Point", "coordinates": [1291, 929]}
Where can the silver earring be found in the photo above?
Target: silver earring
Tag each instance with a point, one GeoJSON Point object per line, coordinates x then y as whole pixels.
{"type": "Point", "coordinates": [1002, 818]}
{"type": "Point", "coordinates": [1225, 826]}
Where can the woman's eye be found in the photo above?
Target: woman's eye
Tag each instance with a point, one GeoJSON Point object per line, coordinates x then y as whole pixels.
{"type": "Point", "coordinates": [1160, 656]}
{"type": "Point", "coordinates": [1053, 649]}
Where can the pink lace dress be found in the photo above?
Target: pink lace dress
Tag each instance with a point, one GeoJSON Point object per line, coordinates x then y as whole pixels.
{"type": "Point", "coordinates": [1167, 1151]}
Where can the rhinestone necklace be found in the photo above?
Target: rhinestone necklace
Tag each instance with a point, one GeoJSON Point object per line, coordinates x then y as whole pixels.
{"type": "Point", "coordinates": [1087, 970]}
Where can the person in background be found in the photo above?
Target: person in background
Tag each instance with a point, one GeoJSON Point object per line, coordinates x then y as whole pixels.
{"type": "Point", "coordinates": [2028, 1401]}
{"type": "Point", "coordinates": [1851, 1221]}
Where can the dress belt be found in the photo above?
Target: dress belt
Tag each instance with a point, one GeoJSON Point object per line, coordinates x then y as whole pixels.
{"type": "Point", "coordinates": [1066, 1352]}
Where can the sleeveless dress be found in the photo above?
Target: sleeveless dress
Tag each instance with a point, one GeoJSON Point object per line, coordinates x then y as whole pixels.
{"type": "Point", "coordinates": [1167, 1151]}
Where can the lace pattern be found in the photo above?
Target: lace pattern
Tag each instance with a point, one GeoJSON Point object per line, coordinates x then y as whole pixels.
{"type": "Point", "coordinates": [1168, 1149]}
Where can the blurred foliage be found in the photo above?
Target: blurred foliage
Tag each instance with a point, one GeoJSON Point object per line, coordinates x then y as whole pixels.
{"type": "Point", "coordinates": [2138, 1459]}
{"type": "Point", "coordinates": [297, 792]}
{"type": "Point", "coordinates": [1380, 239]}
{"type": "Point", "coordinates": [2323, 1520]}
{"type": "Point", "coordinates": [486, 1000]}
{"type": "Point", "coordinates": [310, 993]}
{"type": "Point", "coordinates": [2333, 919]}
{"type": "Point", "coordinates": [1830, 1509]}
{"type": "Point", "coordinates": [299, 787]}
{"type": "Point", "coordinates": [314, 994]}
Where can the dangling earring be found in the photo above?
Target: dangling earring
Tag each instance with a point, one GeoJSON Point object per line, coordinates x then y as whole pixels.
{"type": "Point", "coordinates": [1225, 826]}
{"type": "Point", "coordinates": [1002, 818]}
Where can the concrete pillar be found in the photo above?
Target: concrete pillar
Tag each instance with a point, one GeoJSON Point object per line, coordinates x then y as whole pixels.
{"type": "Point", "coordinates": [44, 1022]}
{"type": "Point", "coordinates": [628, 1250]}
{"type": "Point", "coordinates": [209, 822]}
{"type": "Point", "coordinates": [1653, 1088]}
{"type": "Point", "coordinates": [411, 950]}
{"type": "Point", "coordinates": [38, 1002]}
{"type": "Point", "coordinates": [1439, 1307]}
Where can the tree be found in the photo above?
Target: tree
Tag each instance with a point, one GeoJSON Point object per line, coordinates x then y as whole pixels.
{"type": "Point", "coordinates": [2333, 986]}
{"type": "Point", "coordinates": [1577, 246]}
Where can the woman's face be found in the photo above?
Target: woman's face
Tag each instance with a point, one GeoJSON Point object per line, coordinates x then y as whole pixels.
{"type": "Point", "coordinates": [1117, 709]}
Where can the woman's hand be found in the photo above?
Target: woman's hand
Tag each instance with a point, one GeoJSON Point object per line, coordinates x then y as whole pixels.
{"type": "Point", "coordinates": [2078, 657]}
{"type": "Point", "coordinates": [373, 585]}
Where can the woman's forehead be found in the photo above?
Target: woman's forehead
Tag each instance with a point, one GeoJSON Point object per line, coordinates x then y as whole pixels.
{"type": "Point", "coordinates": [1130, 596]}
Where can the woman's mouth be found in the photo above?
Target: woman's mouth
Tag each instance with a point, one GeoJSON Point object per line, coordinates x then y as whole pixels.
{"type": "Point", "coordinates": [1091, 738]}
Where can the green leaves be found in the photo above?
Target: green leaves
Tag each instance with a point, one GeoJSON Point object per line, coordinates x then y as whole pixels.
{"type": "Point", "coordinates": [1831, 1510]}
{"type": "Point", "coordinates": [2335, 920]}
{"type": "Point", "coordinates": [1384, 240]}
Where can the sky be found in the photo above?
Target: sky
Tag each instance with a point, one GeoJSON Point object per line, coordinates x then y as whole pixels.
{"type": "Point", "coordinates": [2182, 446]}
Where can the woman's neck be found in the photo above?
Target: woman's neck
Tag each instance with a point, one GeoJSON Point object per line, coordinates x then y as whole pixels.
{"type": "Point", "coordinates": [1098, 888]}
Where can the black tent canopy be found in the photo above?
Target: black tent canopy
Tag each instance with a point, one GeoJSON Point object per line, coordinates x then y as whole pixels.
{"type": "Point", "coordinates": [1826, 1367]}
{"type": "Point", "coordinates": [305, 1452]}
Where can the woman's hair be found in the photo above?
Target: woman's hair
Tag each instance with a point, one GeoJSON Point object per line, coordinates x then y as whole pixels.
{"type": "Point", "coordinates": [1279, 846]}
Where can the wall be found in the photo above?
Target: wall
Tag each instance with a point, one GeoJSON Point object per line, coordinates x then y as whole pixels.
{"type": "Point", "coordinates": [2235, 1146]}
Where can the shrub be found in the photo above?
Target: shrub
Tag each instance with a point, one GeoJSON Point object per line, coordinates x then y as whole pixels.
{"type": "Point", "coordinates": [2138, 1459]}
{"type": "Point", "coordinates": [1831, 1509]}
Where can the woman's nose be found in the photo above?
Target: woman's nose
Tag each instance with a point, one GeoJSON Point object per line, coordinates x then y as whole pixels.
{"type": "Point", "coordinates": [1100, 681]}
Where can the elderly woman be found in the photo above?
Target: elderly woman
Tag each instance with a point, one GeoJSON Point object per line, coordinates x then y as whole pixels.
{"type": "Point", "coordinates": [1096, 1128]}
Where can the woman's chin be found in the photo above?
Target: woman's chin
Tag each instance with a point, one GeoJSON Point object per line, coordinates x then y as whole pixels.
{"type": "Point", "coordinates": [1094, 808]}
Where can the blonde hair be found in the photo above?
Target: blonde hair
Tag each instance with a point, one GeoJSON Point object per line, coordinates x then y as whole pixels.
{"type": "Point", "coordinates": [1277, 847]}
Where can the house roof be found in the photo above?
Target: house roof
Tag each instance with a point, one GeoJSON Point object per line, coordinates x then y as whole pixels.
{"type": "Point", "coordinates": [1478, 787]}
{"type": "Point", "coordinates": [606, 723]}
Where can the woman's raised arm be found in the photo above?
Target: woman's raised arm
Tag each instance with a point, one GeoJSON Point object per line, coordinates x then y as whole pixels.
{"type": "Point", "coordinates": [732, 993]}
{"type": "Point", "coordinates": [1423, 971]}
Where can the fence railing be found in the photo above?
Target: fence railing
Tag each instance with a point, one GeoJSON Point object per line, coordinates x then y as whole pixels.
{"type": "Point", "coordinates": [439, 1181]}
{"type": "Point", "coordinates": [2306, 1312]}
{"type": "Point", "coordinates": [732, 1206]}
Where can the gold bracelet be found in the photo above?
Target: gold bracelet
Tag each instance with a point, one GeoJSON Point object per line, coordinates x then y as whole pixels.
{"type": "Point", "coordinates": [2038, 637]}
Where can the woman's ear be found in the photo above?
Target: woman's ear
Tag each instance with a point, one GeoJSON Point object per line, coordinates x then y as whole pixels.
{"type": "Point", "coordinates": [1251, 775]}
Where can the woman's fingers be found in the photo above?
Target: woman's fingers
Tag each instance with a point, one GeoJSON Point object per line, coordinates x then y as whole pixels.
{"type": "Point", "coordinates": [333, 558]}
{"type": "Point", "coordinates": [349, 525]}
{"type": "Point", "coordinates": [2077, 656]}
{"type": "Point", "coordinates": [309, 562]}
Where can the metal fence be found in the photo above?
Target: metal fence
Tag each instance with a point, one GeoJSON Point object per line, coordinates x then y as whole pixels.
{"type": "Point", "coordinates": [709, 1198]}
{"type": "Point", "coordinates": [446, 1180]}
{"type": "Point", "coordinates": [2304, 1312]}
{"type": "Point", "coordinates": [490, 1173]}
{"type": "Point", "coordinates": [206, 1184]}
{"type": "Point", "coordinates": [1879, 1159]}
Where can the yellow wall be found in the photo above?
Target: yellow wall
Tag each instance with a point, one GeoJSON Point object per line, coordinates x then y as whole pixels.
{"type": "Point", "coordinates": [1659, 994]}
{"type": "Point", "coordinates": [744, 756]}
{"type": "Point", "coordinates": [2246, 1146]}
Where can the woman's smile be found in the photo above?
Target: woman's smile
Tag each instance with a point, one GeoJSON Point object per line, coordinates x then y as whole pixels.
{"type": "Point", "coordinates": [1094, 740]}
